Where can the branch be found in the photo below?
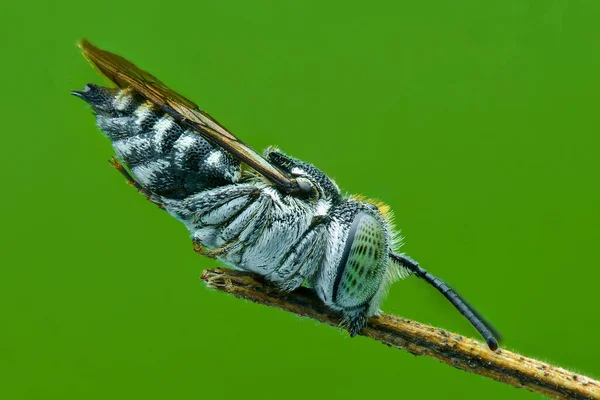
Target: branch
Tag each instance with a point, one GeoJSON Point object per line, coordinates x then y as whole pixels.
{"type": "Point", "coordinates": [418, 339]}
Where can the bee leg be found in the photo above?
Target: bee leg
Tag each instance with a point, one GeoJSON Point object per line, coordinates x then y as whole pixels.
{"type": "Point", "coordinates": [144, 191]}
{"type": "Point", "coordinates": [303, 259]}
{"type": "Point", "coordinates": [200, 249]}
{"type": "Point", "coordinates": [211, 253]}
{"type": "Point", "coordinates": [291, 284]}
{"type": "Point", "coordinates": [354, 320]}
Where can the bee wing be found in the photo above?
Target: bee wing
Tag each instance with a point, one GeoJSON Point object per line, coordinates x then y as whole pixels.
{"type": "Point", "coordinates": [125, 74]}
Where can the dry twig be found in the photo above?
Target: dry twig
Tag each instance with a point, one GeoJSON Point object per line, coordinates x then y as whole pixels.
{"type": "Point", "coordinates": [419, 339]}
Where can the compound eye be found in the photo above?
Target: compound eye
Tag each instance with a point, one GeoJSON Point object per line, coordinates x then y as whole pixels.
{"type": "Point", "coordinates": [363, 262]}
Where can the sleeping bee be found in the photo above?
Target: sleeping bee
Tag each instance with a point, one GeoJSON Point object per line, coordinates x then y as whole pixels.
{"type": "Point", "coordinates": [273, 215]}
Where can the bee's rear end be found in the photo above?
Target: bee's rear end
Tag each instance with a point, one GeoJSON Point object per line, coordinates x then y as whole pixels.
{"type": "Point", "coordinates": [166, 158]}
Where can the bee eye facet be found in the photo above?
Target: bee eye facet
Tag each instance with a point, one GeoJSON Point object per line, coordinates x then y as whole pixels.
{"type": "Point", "coordinates": [362, 265]}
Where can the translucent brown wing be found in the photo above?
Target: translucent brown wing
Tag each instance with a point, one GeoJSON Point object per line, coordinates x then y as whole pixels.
{"type": "Point", "coordinates": [125, 74]}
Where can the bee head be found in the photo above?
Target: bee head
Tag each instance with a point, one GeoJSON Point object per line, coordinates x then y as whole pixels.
{"type": "Point", "coordinates": [364, 263]}
{"type": "Point", "coordinates": [364, 270]}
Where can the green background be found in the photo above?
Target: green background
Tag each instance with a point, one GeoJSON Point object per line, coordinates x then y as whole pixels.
{"type": "Point", "coordinates": [477, 122]}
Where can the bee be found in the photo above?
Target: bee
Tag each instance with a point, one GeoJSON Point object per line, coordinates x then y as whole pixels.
{"type": "Point", "coordinates": [273, 215]}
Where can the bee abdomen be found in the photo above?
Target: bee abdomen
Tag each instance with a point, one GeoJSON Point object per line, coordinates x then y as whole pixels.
{"type": "Point", "coordinates": [166, 158]}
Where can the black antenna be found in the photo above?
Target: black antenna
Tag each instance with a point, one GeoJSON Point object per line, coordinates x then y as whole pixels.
{"type": "Point", "coordinates": [487, 331]}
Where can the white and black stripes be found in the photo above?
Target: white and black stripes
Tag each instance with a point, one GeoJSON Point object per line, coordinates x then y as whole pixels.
{"type": "Point", "coordinates": [166, 133]}
{"type": "Point", "coordinates": [164, 157]}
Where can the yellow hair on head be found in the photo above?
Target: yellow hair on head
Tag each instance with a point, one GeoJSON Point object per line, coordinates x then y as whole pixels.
{"type": "Point", "coordinates": [384, 209]}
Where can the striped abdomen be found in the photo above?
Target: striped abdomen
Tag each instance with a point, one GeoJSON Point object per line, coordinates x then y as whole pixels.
{"type": "Point", "coordinates": [164, 157]}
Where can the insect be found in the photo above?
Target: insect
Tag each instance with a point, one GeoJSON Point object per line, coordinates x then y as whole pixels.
{"type": "Point", "coordinates": [273, 215]}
